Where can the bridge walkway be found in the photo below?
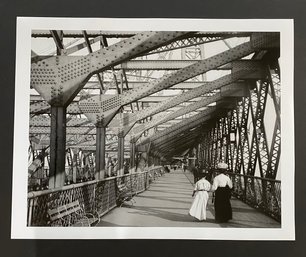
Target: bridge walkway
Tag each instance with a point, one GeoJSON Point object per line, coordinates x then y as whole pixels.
{"type": "Point", "coordinates": [166, 204]}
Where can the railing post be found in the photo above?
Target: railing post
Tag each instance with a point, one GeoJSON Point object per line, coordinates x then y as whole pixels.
{"type": "Point", "coordinates": [30, 211]}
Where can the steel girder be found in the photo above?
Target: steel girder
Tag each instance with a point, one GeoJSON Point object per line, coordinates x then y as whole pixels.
{"type": "Point", "coordinates": [150, 99]}
{"type": "Point", "coordinates": [101, 108]}
{"type": "Point", "coordinates": [58, 79]}
{"type": "Point", "coordinates": [126, 34]}
{"type": "Point", "coordinates": [86, 131]}
{"type": "Point", "coordinates": [42, 107]}
{"type": "Point", "coordinates": [250, 69]}
{"type": "Point", "coordinates": [182, 111]}
{"type": "Point", "coordinates": [69, 130]}
{"type": "Point", "coordinates": [177, 140]}
{"type": "Point", "coordinates": [197, 39]}
{"type": "Point", "coordinates": [42, 121]}
{"type": "Point", "coordinates": [191, 122]}
{"type": "Point", "coordinates": [180, 126]}
{"type": "Point", "coordinates": [227, 91]}
{"type": "Point", "coordinates": [135, 84]}
{"type": "Point", "coordinates": [188, 42]}
{"type": "Point", "coordinates": [161, 65]}
{"type": "Point", "coordinates": [179, 145]}
{"type": "Point", "coordinates": [57, 37]}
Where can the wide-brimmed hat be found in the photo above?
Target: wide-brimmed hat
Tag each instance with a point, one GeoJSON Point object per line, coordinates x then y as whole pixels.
{"type": "Point", "coordinates": [222, 166]}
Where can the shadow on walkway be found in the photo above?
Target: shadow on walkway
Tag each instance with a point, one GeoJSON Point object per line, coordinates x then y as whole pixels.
{"type": "Point", "coordinates": [166, 204]}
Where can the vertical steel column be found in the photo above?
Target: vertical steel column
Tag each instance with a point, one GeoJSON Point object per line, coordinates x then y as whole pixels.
{"type": "Point", "coordinates": [132, 155]}
{"type": "Point", "coordinates": [74, 165]}
{"type": "Point", "coordinates": [197, 156]}
{"type": "Point", "coordinates": [57, 147]}
{"type": "Point", "coordinates": [120, 154]}
{"type": "Point", "coordinates": [100, 152]}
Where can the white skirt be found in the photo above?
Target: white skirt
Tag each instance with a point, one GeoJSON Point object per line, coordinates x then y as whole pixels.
{"type": "Point", "coordinates": [198, 207]}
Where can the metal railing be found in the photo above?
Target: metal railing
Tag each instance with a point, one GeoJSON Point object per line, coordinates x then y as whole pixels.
{"type": "Point", "coordinates": [261, 193]}
{"type": "Point", "coordinates": [94, 196]}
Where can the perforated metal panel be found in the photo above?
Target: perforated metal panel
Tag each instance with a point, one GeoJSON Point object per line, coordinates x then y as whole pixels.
{"type": "Point", "coordinates": [69, 130]}
{"type": "Point", "coordinates": [265, 40]}
{"type": "Point", "coordinates": [98, 107]}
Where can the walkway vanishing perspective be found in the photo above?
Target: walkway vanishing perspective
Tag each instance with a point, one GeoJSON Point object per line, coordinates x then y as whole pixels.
{"type": "Point", "coordinates": [166, 204]}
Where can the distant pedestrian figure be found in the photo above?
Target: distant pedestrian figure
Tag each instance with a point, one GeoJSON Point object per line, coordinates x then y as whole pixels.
{"type": "Point", "coordinates": [184, 168]}
{"type": "Point", "coordinates": [166, 168]}
{"type": "Point", "coordinates": [198, 207]}
{"type": "Point", "coordinates": [195, 172]}
{"type": "Point", "coordinates": [222, 185]}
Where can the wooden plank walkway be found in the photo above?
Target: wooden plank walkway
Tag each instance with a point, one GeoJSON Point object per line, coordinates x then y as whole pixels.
{"type": "Point", "coordinates": [166, 204]}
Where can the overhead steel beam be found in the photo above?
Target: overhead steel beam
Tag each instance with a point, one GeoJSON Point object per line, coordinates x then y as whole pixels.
{"type": "Point", "coordinates": [180, 126]}
{"type": "Point", "coordinates": [250, 70]}
{"type": "Point", "coordinates": [173, 149]}
{"type": "Point", "coordinates": [42, 121]}
{"type": "Point", "coordinates": [188, 42]}
{"type": "Point", "coordinates": [73, 108]}
{"type": "Point", "coordinates": [105, 106]}
{"type": "Point", "coordinates": [42, 107]}
{"type": "Point", "coordinates": [191, 128]}
{"type": "Point", "coordinates": [90, 51]}
{"type": "Point", "coordinates": [58, 39]}
{"type": "Point", "coordinates": [185, 136]}
{"type": "Point", "coordinates": [137, 131]}
{"type": "Point", "coordinates": [124, 34]}
{"type": "Point", "coordinates": [161, 65]}
{"type": "Point", "coordinates": [151, 99]}
{"type": "Point", "coordinates": [66, 51]}
{"type": "Point", "coordinates": [58, 79]}
{"type": "Point", "coordinates": [184, 125]}
{"type": "Point", "coordinates": [69, 130]}
{"type": "Point", "coordinates": [84, 130]}
{"type": "Point", "coordinates": [135, 84]}
{"type": "Point", "coordinates": [191, 71]}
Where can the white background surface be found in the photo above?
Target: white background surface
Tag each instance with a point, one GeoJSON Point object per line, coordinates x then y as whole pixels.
{"type": "Point", "coordinates": [21, 130]}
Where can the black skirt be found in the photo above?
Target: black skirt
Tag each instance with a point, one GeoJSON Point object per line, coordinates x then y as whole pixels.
{"type": "Point", "coordinates": [223, 208]}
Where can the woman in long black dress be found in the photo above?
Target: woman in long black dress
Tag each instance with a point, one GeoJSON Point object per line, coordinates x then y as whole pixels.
{"type": "Point", "coordinates": [222, 185]}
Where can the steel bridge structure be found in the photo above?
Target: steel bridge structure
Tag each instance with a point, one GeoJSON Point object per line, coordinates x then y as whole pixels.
{"type": "Point", "coordinates": [108, 106]}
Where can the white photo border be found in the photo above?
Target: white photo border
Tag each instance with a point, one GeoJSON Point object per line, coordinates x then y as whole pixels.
{"type": "Point", "coordinates": [25, 25]}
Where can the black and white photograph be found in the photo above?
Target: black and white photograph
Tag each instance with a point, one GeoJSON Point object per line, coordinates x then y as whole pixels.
{"type": "Point", "coordinates": [153, 128]}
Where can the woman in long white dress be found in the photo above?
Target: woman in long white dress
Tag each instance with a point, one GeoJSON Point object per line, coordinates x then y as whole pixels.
{"type": "Point", "coordinates": [198, 207]}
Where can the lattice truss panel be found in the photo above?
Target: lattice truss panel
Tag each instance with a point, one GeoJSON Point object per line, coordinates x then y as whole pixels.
{"type": "Point", "coordinates": [248, 138]}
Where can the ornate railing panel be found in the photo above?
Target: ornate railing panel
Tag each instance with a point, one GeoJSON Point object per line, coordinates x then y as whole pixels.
{"type": "Point", "coordinates": [261, 193]}
{"type": "Point", "coordinates": [94, 196]}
